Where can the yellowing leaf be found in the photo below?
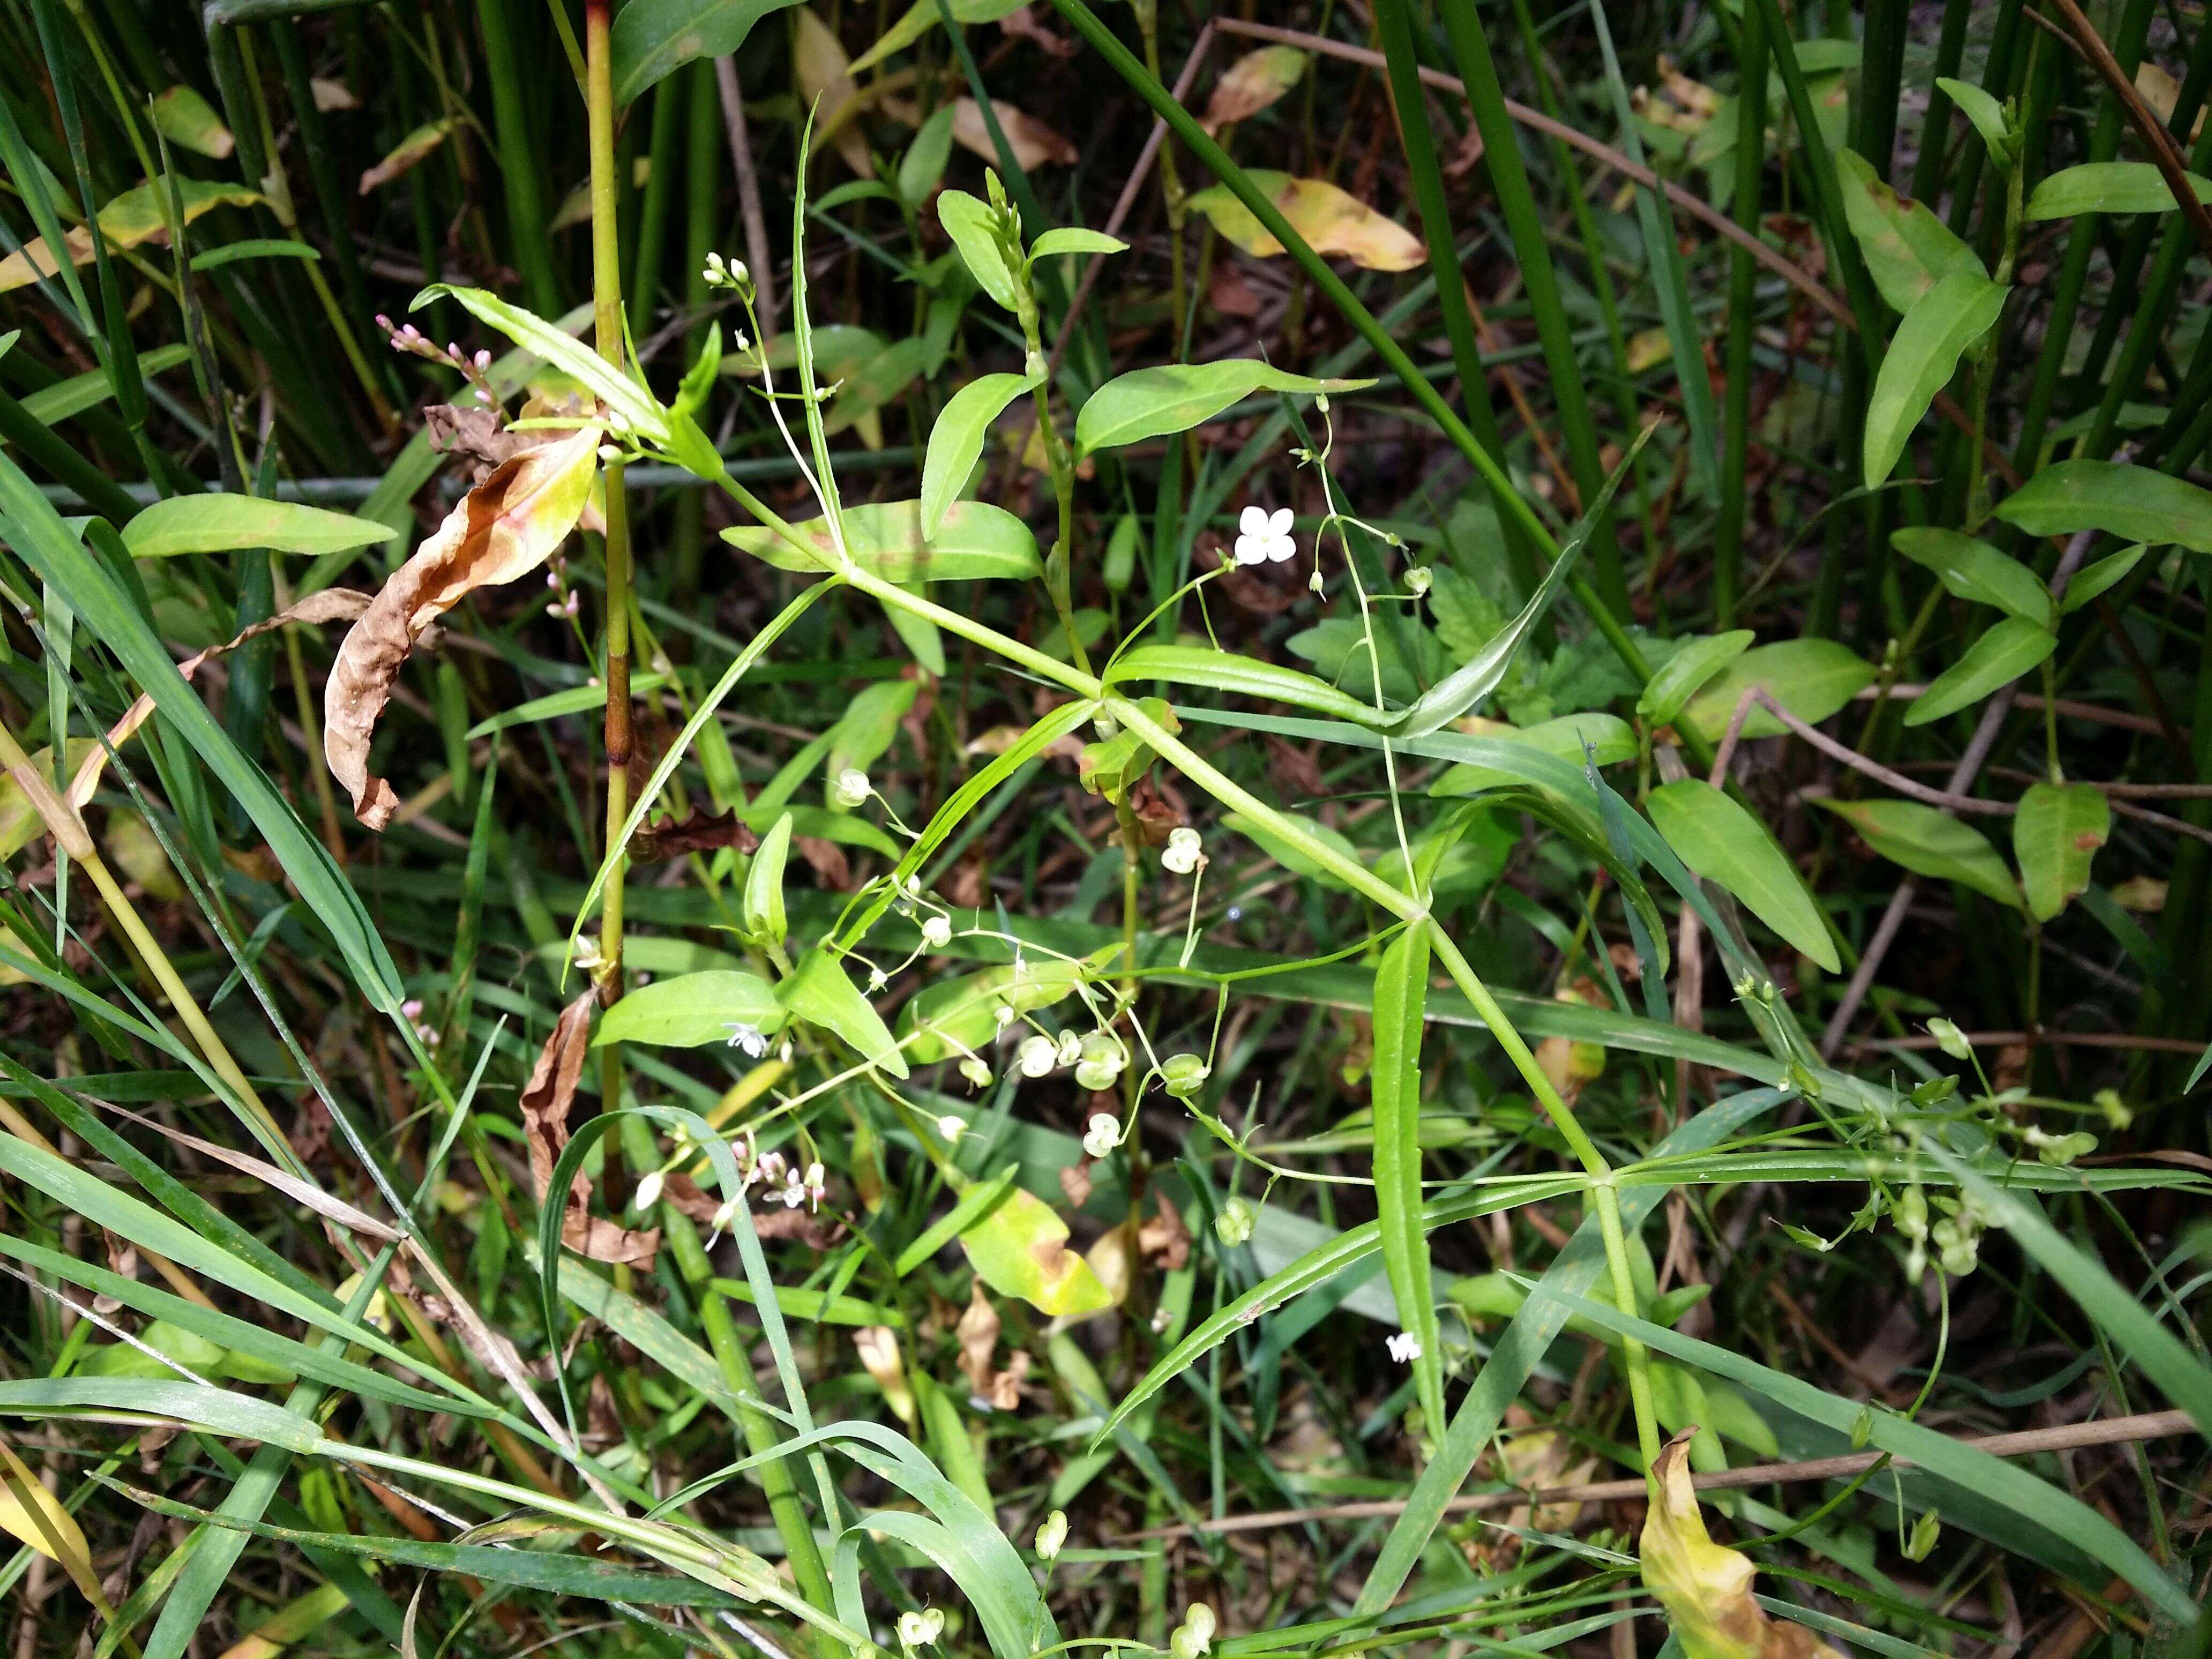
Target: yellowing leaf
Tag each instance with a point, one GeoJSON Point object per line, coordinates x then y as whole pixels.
{"type": "Point", "coordinates": [506, 528]}
{"type": "Point", "coordinates": [1252, 82]}
{"type": "Point", "coordinates": [1020, 1249]}
{"type": "Point", "coordinates": [2162, 92]}
{"type": "Point", "coordinates": [1648, 350]}
{"type": "Point", "coordinates": [185, 118]}
{"type": "Point", "coordinates": [30, 1512]}
{"type": "Point", "coordinates": [332, 94]}
{"type": "Point", "coordinates": [1332, 220]}
{"type": "Point", "coordinates": [1034, 144]}
{"type": "Point", "coordinates": [138, 852]}
{"type": "Point", "coordinates": [825, 83]}
{"type": "Point", "coordinates": [1706, 1587]}
{"type": "Point", "coordinates": [18, 819]}
{"type": "Point", "coordinates": [131, 218]}
{"type": "Point", "coordinates": [407, 152]}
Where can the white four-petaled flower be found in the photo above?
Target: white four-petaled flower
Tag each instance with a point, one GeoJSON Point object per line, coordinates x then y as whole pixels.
{"type": "Point", "coordinates": [751, 1038]}
{"type": "Point", "coordinates": [1405, 1347]}
{"type": "Point", "coordinates": [1264, 538]}
{"type": "Point", "coordinates": [1183, 853]}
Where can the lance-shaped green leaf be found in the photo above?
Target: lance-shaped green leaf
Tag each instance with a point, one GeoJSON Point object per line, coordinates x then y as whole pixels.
{"type": "Point", "coordinates": [223, 523]}
{"type": "Point", "coordinates": [1987, 116]}
{"type": "Point", "coordinates": [622, 396]}
{"type": "Point", "coordinates": [763, 900]}
{"type": "Point", "coordinates": [1927, 842]}
{"type": "Point", "coordinates": [1923, 355]}
{"type": "Point", "coordinates": [1479, 675]}
{"type": "Point", "coordinates": [1908, 250]}
{"type": "Point", "coordinates": [1680, 676]}
{"type": "Point", "coordinates": [820, 993]}
{"type": "Point", "coordinates": [962, 1016]}
{"type": "Point", "coordinates": [924, 15]}
{"type": "Point", "coordinates": [2055, 834]}
{"type": "Point", "coordinates": [974, 542]}
{"type": "Point", "coordinates": [1401, 988]}
{"type": "Point", "coordinates": [1240, 676]}
{"type": "Point", "coordinates": [1811, 678]}
{"type": "Point", "coordinates": [1074, 238]}
{"type": "Point", "coordinates": [1972, 569]}
{"type": "Point", "coordinates": [957, 441]}
{"type": "Point", "coordinates": [973, 225]}
{"type": "Point", "coordinates": [2094, 579]}
{"type": "Point", "coordinates": [693, 1010]}
{"type": "Point", "coordinates": [1724, 843]}
{"type": "Point", "coordinates": [1170, 397]}
{"type": "Point", "coordinates": [2107, 187]}
{"type": "Point", "coordinates": [653, 39]}
{"type": "Point", "coordinates": [2135, 503]}
{"type": "Point", "coordinates": [2000, 655]}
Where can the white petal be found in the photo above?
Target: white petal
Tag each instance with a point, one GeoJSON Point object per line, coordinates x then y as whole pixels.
{"type": "Point", "coordinates": [1280, 548]}
{"type": "Point", "coordinates": [1279, 522]}
{"type": "Point", "coordinates": [1251, 549]}
{"type": "Point", "coordinates": [1254, 521]}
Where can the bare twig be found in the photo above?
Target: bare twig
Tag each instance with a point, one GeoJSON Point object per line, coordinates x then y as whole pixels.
{"type": "Point", "coordinates": [2073, 1436]}
{"type": "Point", "coordinates": [748, 194]}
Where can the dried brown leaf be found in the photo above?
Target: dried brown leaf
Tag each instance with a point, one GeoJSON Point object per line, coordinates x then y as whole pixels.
{"type": "Point", "coordinates": [1164, 1240]}
{"type": "Point", "coordinates": [506, 528]}
{"type": "Point", "coordinates": [700, 831]}
{"type": "Point", "coordinates": [1253, 83]}
{"type": "Point", "coordinates": [1034, 144]}
{"type": "Point", "coordinates": [550, 1092]}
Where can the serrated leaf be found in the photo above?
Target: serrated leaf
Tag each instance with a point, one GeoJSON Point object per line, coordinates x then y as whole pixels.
{"type": "Point", "coordinates": [1725, 844]}
{"type": "Point", "coordinates": [2002, 653]}
{"type": "Point", "coordinates": [1927, 842]}
{"type": "Point", "coordinates": [975, 542]}
{"type": "Point", "coordinates": [2055, 834]}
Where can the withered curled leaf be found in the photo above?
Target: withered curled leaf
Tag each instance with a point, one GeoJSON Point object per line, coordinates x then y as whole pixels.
{"type": "Point", "coordinates": [545, 1101]}
{"type": "Point", "coordinates": [1706, 1587]}
{"type": "Point", "coordinates": [506, 528]}
{"type": "Point", "coordinates": [701, 832]}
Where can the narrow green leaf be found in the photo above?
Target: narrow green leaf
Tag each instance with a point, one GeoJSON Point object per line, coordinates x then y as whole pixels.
{"type": "Point", "coordinates": [1907, 249]}
{"type": "Point", "coordinates": [1678, 680]}
{"type": "Point", "coordinates": [2002, 654]}
{"type": "Point", "coordinates": [1927, 842]}
{"type": "Point", "coordinates": [1153, 403]}
{"type": "Point", "coordinates": [974, 542]}
{"type": "Point", "coordinates": [1239, 676]}
{"type": "Point", "coordinates": [764, 901]}
{"type": "Point", "coordinates": [223, 523]}
{"type": "Point", "coordinates": [1944, 322]}
{"type": "Point", "coordinates": [692, 1010]}
{"type": "Point", "coordinates": [2107, 187]}
{"type": "Point", "coordinates": [1987, 116]}
{"type": "Point", "coordinates": [653, 39]}
{"type": "Point", "coordinates": [820, 993]}
{"type": "Point", "coordinates": [957, 441]}
{"type": "Point", "coordinates": [2057, 832]}
{"type": "Point", "coordinates": [2135, 503]}
{"type": "Point", "coordinates": [1811, 678]}
{"type": "Point", "coordinates": [1401, 988]}
{"type": "Point", "coordinates": [973, 225]}
{"type": "Point", "coordinates": [1725, 844]}
{"type": "Point", "coordinates": [1972, 569]}
{"type": "Point", "coordinates": [2098, 578]}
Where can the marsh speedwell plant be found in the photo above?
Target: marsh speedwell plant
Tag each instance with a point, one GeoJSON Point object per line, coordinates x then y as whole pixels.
{"type": "Point", "coordinates": [1186, 998]}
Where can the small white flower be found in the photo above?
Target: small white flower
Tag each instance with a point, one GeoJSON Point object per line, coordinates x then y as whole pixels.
{"type": "Point", "coordinates": [1037, 1056]}
{"type": "Point", "coordinates": [1418, 580]}
{"type": "Point", "coordinates": [1264, 538]}
{"type": "Point", "coordinates": [918, 1630]}
{"type": "Point", "coordinates": [850, 787]}
{"type": "Point", "coordinates": [1103, 1135]}
{"type": "Point", "coordinates": [1070, 1049]}
{"type": "Point", "coordinates": [816, 1188]}
{"type": "Point", "coordinates": [649, 1191]}
{"type": "Point", "coordinates": [1183, 853]}
{"type": "Point", "coordinates": [738, 341]}
{"type": "Point", "coordinates": [937, 932]}
{"type": "Point", "coordinates": [1005, 1016]}
{"type": "Point", "coordinates": [1405, 1347]}
{"type": "Point", "coordinates": [1234, 1224]}
{"type": "Point", "coordinates": [751, 1038]}
{"type": "Point", "coordinates": [951, 1128]}
{"type": "Point", "coordinates": [976, 1071]}
{"type": "Point", "coordinates": [1191, 1639]}
{"type": "Point", "coordinates": [794, 1192]}
{"type": "Point", "coordinates": [724, 1214]}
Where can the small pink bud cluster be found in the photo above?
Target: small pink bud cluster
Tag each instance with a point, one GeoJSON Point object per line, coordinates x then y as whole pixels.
{"type": "Point", "coordinates": [407, 338]}
{"type": "Point", "coordinates": [411, 1011]}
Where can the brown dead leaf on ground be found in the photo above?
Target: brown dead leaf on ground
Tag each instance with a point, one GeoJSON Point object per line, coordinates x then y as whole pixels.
{"type": "Point", "coordinates": [1034, 144]}
{"type": "Point", "coordinates": [699, 832]}
{"type": "Point", "coordinates": [506, 528]}
{"type": "Point", "coordinates": [978, 1332]}
{"type": "Point", "coordinates": [1164, 1240]}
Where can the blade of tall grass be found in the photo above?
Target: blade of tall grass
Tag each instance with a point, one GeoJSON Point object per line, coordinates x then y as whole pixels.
{"type": "Point", "coordinates": [1729, 507]}
{"type": "Point", "coordinates": [1532, 254]}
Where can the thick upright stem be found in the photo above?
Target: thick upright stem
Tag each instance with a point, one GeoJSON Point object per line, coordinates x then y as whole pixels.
{"type": "Point", "coordinates": [607, 319]}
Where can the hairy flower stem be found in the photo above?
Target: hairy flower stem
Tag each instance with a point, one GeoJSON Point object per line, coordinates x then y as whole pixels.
{"type": "Point", "coordinates": [607, 319]}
